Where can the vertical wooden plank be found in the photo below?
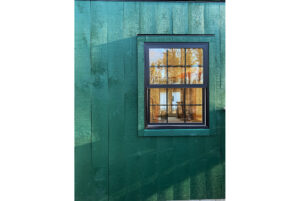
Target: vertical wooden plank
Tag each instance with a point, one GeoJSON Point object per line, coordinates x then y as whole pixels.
{"type": "Point", "coordinates": [221, 109]}
{"type": "Point", "coordinates": [198, 184]}
{"type": "Point", "coordinates": [115, 48]}
{"type": "Point", "coordinates": [222, 91]}
{"type": "Point", "coordinates": [164, 23]}
{"type": "Point", "coordinates": [216, 172]}
{"type": "Point", "coordinates": [212, 148]}
{"type": "Point", "coordinates": [149, 173]}
{"type": "Point", "coordinates": [82, 74]}
{"type": "Point", "coordinates": [165, 171]}
{"type": "Point", "coordinates": [180, 18]}
{"type": "Point", "coordinates": [181, 173]}
{"type": "Point", "coordinates": [130, 30]}
{"type": "Point", "coordinates": [196, 18]}
{"type": "Point", "coordinates": [217, 180]}
{"type": "Point", "coordinates": [131, 18]}
{"type": "Point", "coordinates": [100, 96]}
{"type": "Point", "coordinates": [222, 53]}
{"type": "Point", "coordinates": [83, 164]}
{"type": "Point", "coordinates": [212, 17]}
{"type": "Point", "coordinates": [147, 17]}
{"type": "Point", "coordinates": [99, 83]}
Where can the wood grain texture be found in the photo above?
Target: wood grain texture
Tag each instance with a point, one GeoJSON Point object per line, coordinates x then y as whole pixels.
{"type": "Point", "coordinates": [112, 161]}
{"type": "Point", "coordinates": [196, 18]}
{"type": "Point", "coordinates": [180, 18]}
{"type": "Point", "coordinates": [83, 164]}
{"type": "Point", "coordinates": [82, 74]}
{"type": "Point", "coordinates": [100, 97]}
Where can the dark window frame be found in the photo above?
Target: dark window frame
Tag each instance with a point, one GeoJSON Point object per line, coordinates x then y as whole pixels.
{"type": "Point", "coordinates": [204, 86]}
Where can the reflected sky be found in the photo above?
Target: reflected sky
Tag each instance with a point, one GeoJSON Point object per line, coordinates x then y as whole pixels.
{"type": "Point", "coordinates": [156, 56]}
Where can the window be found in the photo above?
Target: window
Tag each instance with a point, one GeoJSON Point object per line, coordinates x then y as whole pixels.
{"type": "Point", "coordinates": [176, 85]}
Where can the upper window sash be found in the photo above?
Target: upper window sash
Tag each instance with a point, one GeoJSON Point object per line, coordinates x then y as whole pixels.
{"type": "Point", "coordinates": [204, 46]}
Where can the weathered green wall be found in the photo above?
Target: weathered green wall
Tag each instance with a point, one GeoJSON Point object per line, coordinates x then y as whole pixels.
{"type": "Point", "coordinates": [111, 161]}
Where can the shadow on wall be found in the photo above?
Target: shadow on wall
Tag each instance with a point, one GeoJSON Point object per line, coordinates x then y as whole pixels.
{"type": "Point", "coordinates": [138, 168]}
{"type": "Point", "coordinates": [191, 178]}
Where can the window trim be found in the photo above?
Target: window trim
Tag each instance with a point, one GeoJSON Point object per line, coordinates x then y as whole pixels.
{"type": "Point", "coordinates": [213, 61]}
{"type": "Point", "coordinates": [204, 86]}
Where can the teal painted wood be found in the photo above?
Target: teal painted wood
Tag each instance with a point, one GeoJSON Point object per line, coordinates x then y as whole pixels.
{"type": "Point", "coordinates": [83, 164]}
{"type": "Point", "coordinates": [112, 161]}
{"type": "Point", "coordinates": [131, 28]}
{"type": "Point", "coordinates": [82, 74]}
{"type": "Point", "coordinates": [180, 18]}
{"type": "Point", "coordinates": [100, 97]}
{"type": "Point", "coordinates": [196, 18]}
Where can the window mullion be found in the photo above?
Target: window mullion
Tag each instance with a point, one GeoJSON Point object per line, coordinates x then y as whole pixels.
{"type": "Point", "coordinates": [167, 109]}
{"type": "Point", "coordinates": [184, 90]}
{"type": "Point", "coordinates": [167, 68]}
{"type": "Point", "coordinates": [167, 88]}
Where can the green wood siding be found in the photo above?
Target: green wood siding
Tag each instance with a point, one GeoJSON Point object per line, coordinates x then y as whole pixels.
{"type": "Point", "coordinates": [111, 161]}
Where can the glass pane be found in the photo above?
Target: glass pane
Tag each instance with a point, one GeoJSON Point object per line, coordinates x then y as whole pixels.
{"type": "Point", "coordinates": [194, 75]}
{"type": "Point", "coordinates": [158, 75]}
{"type": "Point", "coordinates": [176, 75]}
{"type": "Point", "coordinates": [175, 105]}
{"type": "Point", "coordinates": [158, 114]}
{"type": "Point", "coordinates": [175, 114]}
{"type": "Point", "coordinates": [158, 96]}
{"type": "Point", "coordinates": [175, 96]}
{"type": "Point", "coordinates": [176, 57]}
{"type": "Point", "coordinates": [194, 114]}
{"type": "Point", "coordinates": [194, 56]}
{"type": "Point", "coordinates": [157, 57]}
{"type": "Point", "coordinates": [193, 96]}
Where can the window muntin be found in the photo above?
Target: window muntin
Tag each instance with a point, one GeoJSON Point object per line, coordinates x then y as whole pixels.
{"type": "Point", "coordinates": [176, 85]}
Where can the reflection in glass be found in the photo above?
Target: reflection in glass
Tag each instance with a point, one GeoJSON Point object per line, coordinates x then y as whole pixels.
{"type": "Point", "coordinates": [175, 105]}
{"type": "Point", "coordinates": [157, 57]}
{"type": "Point", "coordinates": [175, 96]}
{"type": "Point", "coordinates": [194, 56]}
{"type": "Point", "coordinates": [158, 96]}
{"type": "Point", "coordinates": [176, 66]}
{"type": "Point", "coordinates": [176, 57]}
{"type": "Point", "coordinates": [194, 114]}
{"type": "Point", "coordinates": [176, 75]}
{"type": "Point", "coordinates": [158, 75]}
{"type": "Point", "coordinates": [158, 114]}
{"type": "Point", "coordinates": [176, 114]}
{"type": "Point", "coordinates": [193, 96]}
{"type": "Point", "coordinates": [194, 75]}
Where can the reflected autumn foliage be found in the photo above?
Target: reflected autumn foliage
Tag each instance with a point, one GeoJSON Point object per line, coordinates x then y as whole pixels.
{"type": "Point", "coordinates": [176, 105]}
{"type": "Point", "coordinates": [176, 65]}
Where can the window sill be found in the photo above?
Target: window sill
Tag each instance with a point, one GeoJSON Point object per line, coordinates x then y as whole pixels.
{"type": "Point", "coordinates": [176, 132]}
